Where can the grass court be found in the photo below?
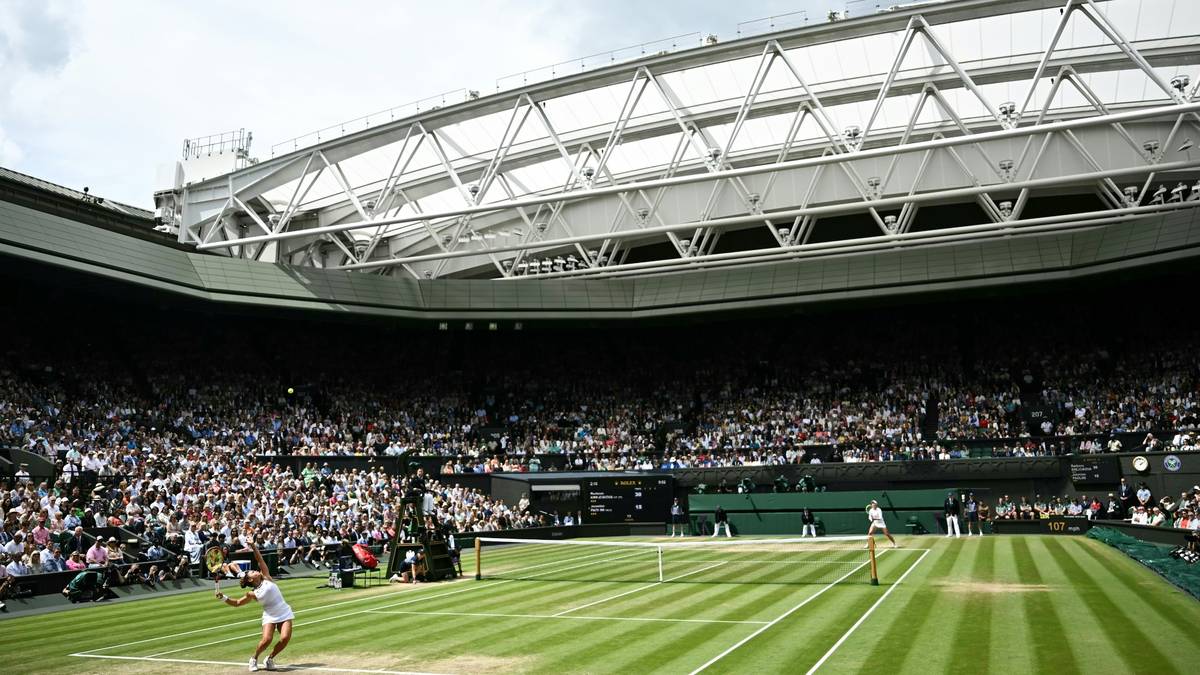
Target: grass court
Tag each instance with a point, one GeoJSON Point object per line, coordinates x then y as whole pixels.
{"type": "Point", "coordinates": [999, 604]}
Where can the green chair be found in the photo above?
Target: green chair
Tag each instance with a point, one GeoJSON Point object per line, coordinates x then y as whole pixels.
{"type": "Point", "coordinates": [915, 526]}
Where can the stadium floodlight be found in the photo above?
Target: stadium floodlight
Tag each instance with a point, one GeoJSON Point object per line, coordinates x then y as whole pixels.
{"type": "Point", "coordinates": [873, 184]}
{"type": "Point", "coordinates": [1151, 147]}
{"type": "Point", "coordinates": [274, 218]}
{"type": "Point", "coordinates": [1131, 195]}
{"type": "Point", "coordinates": [783, 233]}
{"type": "Point", "coordinates": [522, 266]}
{"type": "Point", "coordinates": [443, 325]}
{"type": "Point", "coordinates": [1006, 167]}
{"type": "Point", "coordinates": [541, 226]}
{"type": "Point", "coordinates": [428, 274]}
{"type": "Point", "coordinates": [446, 239]}
{"type": "Point", "coordinates": [1180, 82]}
{"type": "Point", "coordinates": [1008, 112]}
{"type": "Point", "coordinates": [1177, 193]}
{"type": "Point", "coordinates": [1195, 192]}
{"type": "Point", "coordinates": [588, 172]}
{"type": "Point", "coordinates": [1006, 209]}
{"type": "Point", "coordinates": [852, 132]}
{"type": "Point", "coordinates": [890, 221]}
{"type": "Point", "coordinates": [642, 214]}
{"type": "Point", "coordinates": [710, 40]}
{"type": "Point", "coordinates": [1186, 145]}
{"type": "Point", "coordinates": [1160, 195]}
{"type": "Point", "coordinates": [546, 265]}
{"type": "Point", "coordinates": [686, 245]}
{"type": "Point", "coordinates": [369, 205]}
{"type": "Point", "coordinates": [714, 154]}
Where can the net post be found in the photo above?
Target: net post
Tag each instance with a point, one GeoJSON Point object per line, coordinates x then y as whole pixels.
{"type": "Point", "coordinates": [478, 559]}
{"type": "Point", "coordinates": [871, 555]}
{"type": "Point", "coordinates": [660, 574]}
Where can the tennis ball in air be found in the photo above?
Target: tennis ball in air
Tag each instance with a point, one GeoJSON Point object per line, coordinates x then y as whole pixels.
{"type": "Point", "coordinates": [291, 390]}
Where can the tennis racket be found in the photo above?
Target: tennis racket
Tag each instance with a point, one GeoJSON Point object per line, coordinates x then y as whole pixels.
{"type": "Point", "coordinates": [214, 559]}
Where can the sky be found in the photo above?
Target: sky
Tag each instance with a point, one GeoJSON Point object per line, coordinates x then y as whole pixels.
{"type": "Point", "coordinates": [100, 93]}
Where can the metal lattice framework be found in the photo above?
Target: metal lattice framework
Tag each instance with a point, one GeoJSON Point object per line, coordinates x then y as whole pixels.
{"type": "Point", "coordinates": [773, 133]}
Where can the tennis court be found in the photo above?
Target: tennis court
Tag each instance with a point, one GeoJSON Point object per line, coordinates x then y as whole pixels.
{"type": "Point", "coordinates": [1002, 604]}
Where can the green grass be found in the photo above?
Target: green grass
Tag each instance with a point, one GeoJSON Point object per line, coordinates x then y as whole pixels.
{"type": "Point", "coordinates": [1006, 604]}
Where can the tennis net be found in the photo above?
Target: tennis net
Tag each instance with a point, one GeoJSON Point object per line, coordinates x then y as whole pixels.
{"type": "Point", "coordinates": [753, 561]}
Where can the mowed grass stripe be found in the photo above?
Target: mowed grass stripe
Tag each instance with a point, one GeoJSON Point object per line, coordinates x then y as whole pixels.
{"type": "Point", "coordinates": [945, 610]}
{"type": "Point", "coordinates": [307, 622]}
{"type": "Point", "coordinates": [1010, 637]}
{"type": "Point", "coordinates": [1050, 643]}
{"type": "Point", "coordinates": [800, 639]}
{"type": "Point", "coordinates": [753, 601]}
{"type": "Point", "coordinates": [1174, 623]}
{"type": "Point", "coordinates": [972, 655]}
{"type": "Point", "coordinates": [1122, 630]}
{"type": "Point", "coordinates": [915, 607]}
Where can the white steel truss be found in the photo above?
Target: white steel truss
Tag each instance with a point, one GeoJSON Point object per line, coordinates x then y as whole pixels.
{"type": "Point", "coordinates": [709, 182]}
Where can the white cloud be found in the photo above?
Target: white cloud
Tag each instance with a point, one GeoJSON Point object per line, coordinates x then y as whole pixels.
{"type": "Point", "coordinates": [10, 152]}
{"type": "Point", "coordinates": [100, 93]}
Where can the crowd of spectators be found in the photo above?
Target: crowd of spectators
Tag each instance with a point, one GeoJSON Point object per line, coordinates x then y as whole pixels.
{"type": "Point", "coordinates": [94, 412]}
{"type": "Point", "coordinates": [179, 418]}
{"type": "Point", "coordinates": [1134, 504]}
{"type": "Point", "coordinates": [186, 501]}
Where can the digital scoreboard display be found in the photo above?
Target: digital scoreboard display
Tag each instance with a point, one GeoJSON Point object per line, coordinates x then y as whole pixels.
{"type": "Point", "coordinates": [627, 499]}
{"type": "Point", "coordinates": [1094, 470]}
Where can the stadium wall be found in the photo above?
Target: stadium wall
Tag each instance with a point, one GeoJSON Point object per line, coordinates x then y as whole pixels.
{"type": "Point", "coordinates": [839, 512]}
{"type": "Point", "coordinates": [61, 242]}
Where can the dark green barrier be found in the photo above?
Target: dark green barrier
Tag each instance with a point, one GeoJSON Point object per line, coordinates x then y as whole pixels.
{"type": "Point", "coordinates": [1184, 575]}
{"type": "Point", "coordinates": [839, 512]}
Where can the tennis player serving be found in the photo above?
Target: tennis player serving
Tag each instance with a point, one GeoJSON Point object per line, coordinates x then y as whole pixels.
{"type": "Point", "coordinates": [277, 615]}
{"type": "Point", "coordinates": [875, 515]}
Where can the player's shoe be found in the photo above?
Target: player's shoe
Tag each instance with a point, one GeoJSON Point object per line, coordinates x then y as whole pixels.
{"type": "Point", "coordinates": [270, 664]}
{"type": "Point", "coordinates": [253, 665]}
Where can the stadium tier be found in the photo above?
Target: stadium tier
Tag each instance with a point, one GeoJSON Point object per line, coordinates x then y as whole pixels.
{"type": "Point", "coordinates": [835, 343]}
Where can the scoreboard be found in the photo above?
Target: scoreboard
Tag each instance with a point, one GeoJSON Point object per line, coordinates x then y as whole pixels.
{"type": "Point", "coordinates": [1093, 470]}
{"type": "Point", "coordinates": [627, 499]}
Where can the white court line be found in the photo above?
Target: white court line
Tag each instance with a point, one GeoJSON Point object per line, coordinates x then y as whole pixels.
{"type": "Point", "coordinates": [316, 609]}
{"type": "Point", "coordinates": [738, 561]}
{"type": "Point", "coordinates": [396, 604]}
{"type": "Point", "coordinates": [640, 588]}
{"type": "Point", "coordinates": [243, 664]}
{"type": "Point", "coordinates": [863, 618]}
{"type": "Point", "coordinates": [553, 616]}
{"type": "Point", "coordinates": [783, 616]}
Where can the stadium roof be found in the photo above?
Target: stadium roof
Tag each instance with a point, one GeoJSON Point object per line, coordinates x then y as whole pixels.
{"type": "Point", "coordinates": [96, 200]}
{"type": "Point", "coordinates": [659, 156]}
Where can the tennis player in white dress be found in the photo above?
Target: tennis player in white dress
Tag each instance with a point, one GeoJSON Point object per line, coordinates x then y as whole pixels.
{"type": "Point", "coordinates": [875, 515]}
{"type": "Point", "coordinates": [277, 614]}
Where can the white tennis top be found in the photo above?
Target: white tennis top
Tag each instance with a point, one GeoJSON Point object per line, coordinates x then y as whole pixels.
{"type": "Point", "coordinates": [875, 515]}
{"type": "Point", "coordinates": [275, 609]}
